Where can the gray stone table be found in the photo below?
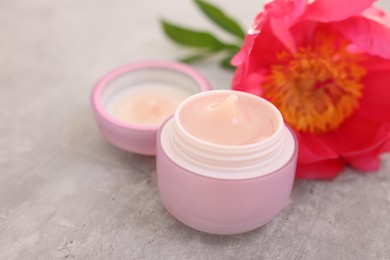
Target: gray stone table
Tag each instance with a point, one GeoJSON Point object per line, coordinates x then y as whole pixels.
{"type": "Point", "coordinates": [66, 193]}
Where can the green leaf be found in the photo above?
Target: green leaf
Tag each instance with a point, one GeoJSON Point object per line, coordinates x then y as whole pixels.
{"type": "Point", "coordinates": [221, 19]}
{"type": "Point", "coordinates": [194, 58]}
{"type": "Point", "coordinates": [234, 49]}
{"type": "Point", "coordinates": [193, 38]}
{"type": "Point", "coordinates": [225, 63]}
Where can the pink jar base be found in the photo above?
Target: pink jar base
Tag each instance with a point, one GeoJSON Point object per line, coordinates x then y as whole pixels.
{"type": "Point", "coordinates": [221, 206]}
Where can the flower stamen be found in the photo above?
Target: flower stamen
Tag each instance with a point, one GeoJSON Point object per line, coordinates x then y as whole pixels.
{"type": "Point", "coordinates": [317, 87]}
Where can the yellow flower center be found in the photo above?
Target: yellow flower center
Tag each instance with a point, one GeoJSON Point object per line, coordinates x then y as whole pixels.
{"type": "Point", "coordinates": [317, 87]}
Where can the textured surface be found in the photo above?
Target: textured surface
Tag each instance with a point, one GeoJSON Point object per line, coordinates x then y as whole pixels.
{"type": "Point", "coordinates": [66, 193]}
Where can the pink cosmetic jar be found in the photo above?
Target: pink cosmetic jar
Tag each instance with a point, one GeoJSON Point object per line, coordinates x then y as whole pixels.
{"type": "Point", "coordinates": [134, 137]}
{"type": "Point", "coordinates": [225, 189]}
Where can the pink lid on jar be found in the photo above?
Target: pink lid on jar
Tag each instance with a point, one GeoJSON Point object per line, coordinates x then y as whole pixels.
{"type": "Point", "coordinates": [131, 102]}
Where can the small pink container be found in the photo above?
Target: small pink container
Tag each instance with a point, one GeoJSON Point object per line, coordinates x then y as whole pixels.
{"type": "Point", "coordinates": [137, 138]}
{"type": "Point", "coordinates": [223, 199]}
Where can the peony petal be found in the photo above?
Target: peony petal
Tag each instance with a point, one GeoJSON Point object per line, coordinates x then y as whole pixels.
{"type": "Point", "coordinates": [377, 14]}
{"type": "Point", "coordinates": [366, 134]}
{"type": "Point", "coordinates": [245, 50]}
{"type": "Point", "coordinates": [267, 28]}
{"type": "Point", "coordinates": [376, 94]}
{"type": "Point", "coordinates": [290, 10]}
{"type": "Point", "coordinates": [305, 32]}
{"type": "Point", "coordinates": [249, 84]}
{"type": "Point", "coordinates": [370, 35]}
{"type": "Point", "coordinates": [284, 34]}
{"type": "Point", "coordinates": [313, 149]}
{"type": "Point", "coordinates": [376, 67]}
{"type": "Point", "coordinates": [249, 40]}
{"type": "Point", "coordinates": [367, 159]}
{"type": "Point", "coordinates": [365, 162]}
{"type": "Point", "coordinates": [335, 10]}
{"type": "Point", "coordinates": [255, 57]}
{"type": "Point", "coordinates": [279, 8]}
{"type": "Point", "coordinates": [355, 134]}
{"type": "Point", "coordinates": [282, 16]}
{"type": "Point", "coordinates": [322, 170]}
{"type": "Point", "coordinates": [238, 58]}
{"type": "Point", "coordinates": [359, 135]}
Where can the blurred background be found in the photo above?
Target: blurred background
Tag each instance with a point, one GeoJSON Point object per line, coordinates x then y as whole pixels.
{"type": "Point", "coordinates": [66, 193]}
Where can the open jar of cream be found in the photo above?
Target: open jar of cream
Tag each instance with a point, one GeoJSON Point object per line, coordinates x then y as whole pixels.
{"type": "Point", "coordinates": [225, 162]}
{"type": "Point", "coordinates": [131, 102]}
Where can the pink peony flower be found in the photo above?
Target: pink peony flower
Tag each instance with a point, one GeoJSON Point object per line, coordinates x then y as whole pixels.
{"type": "Point", "coordinates": [326, 65]}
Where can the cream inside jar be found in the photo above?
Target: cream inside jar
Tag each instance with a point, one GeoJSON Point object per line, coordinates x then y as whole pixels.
{"type": "Point", "coordinates": [228, 119]}
{"type": "Point", "coordinates": [132, 101]}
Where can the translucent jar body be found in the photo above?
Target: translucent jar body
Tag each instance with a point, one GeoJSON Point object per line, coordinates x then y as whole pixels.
{"type": "Point", "coordinates": [224, 189]}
